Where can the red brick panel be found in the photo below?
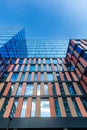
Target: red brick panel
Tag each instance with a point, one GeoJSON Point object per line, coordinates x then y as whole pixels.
{"type": "Point", "coordinates": [32, 76]}
{"type": "Point", "coordinates": [61, 76]}
{"type": "Point", "coordinates": [74, 76]}
{"type": "Point", "coordinates": [28, 108]}
{"type": "Point", "coordinates": [29, 61]}
{"type": "Point", "coordinates": [74, 59]}
{"type": "Point", "coordinates": [38, 76]}
{"type": "Point", "coordinates": [57, 89]}
{"type": "Point", "coordinates": [78, 72]}
{"type": "Point", "coordinates": [68, 76]}
{"type": "Point", "coordinates": [10, 67]}
{"type": "Point", "coordinates": [52, 107]}
{"type": "Point", "coordinates": [24, 61]}
{"type": "Point", "coordinates": [84, 86]}
{"type": "Point", "coordinates": [8, 87]}
{"type": "Point", "coordinates": [23, 89]}
{"type": "Point", "coordinates": [16, 68]}
{"type": "Point", "coordinates": [9, 108]}
{"type": "Point", "coordinates": [52, 65]}
{"type": "Point", "coordinates": [84, 63]}
{"type": "Point", "coordinates": [50, 89]}
{"type": "Point", "coordinates": [81, 107]}
{"type": "Point", "coordinates": [9, 76]}
{"type": "Point", "coordinates": [19, 107]}
{"type": "Point", "coordinates": [85, 79]}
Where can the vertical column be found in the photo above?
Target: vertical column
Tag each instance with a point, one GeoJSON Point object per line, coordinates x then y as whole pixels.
{"type": "Point", "coordinates": [7, 89]}
{"type": "Point", "coordinates": [52, 107]}
{"type": "Point", "coordinates": [28, 108]}
{"type": "Point", "coordinates": [35, 89]}
{"type": "Point", "coordinates": [42, 89]}
{"type": "Point", "coordinates": [19, 107]}
{"type": "Point", "coordinates": [37, 107]}
{"type": "Point", "coordinates": [61, 105]}
{"type": "Point", "coordinates": [9, 76]}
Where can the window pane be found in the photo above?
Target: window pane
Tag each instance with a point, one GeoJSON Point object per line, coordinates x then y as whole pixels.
{"type": "Point", "coordinates": [23, 109]}
{"type": "Point", "coordinates": [33, 108]}
{"type": "Point", "coordinates": [45, 108]}
{"type": "Point", "coordinates": [50, 77]}
{"type": "Point", "coordinates": [46, 89]}
{"type": "Point", "coordinates": [29, 89]}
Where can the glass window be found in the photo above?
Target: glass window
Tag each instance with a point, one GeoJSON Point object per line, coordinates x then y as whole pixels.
{"type": "Point", "coordinates": [50, 69]}
{"type": "Point", "coordinates": [58, 76]}
{"type": "Point", "coordinates": [46, 89]}
{"type": "Point", "coordinates": [44, 67]}
{"type": "Point", "coordinates": [20, 61]}
{"type": "Point", "coordinates": [66, 108]}
{"type": "Point", "coordinates": [13, 61]}
{"type": "Point", "coordinates": [14, 77]}
{"type": "Point", "coordinates": [29, 76]}
{"type": "Point", "coordinates": [84, 101]}
{"type": "Point", "coordinates": [19, 89]}
{"type": "Point", "coordinates": [19, 68]}
{"type": "Point", "coordinates": [29, 89]}
{"type": "Point", "coordinates": [55, 61]}
{"type": "Point", "coordinates": [42, 77]}
{"type": "Point", "coordinates": [57, 108]}
{"type": "Point", "coordinates": [25, 68]}
{"type": "Point", "coordinates": [4, 76]}
{"type": "Point", "coordinates": [38, 89]}
{"type": "Point", "coordinates": [54, 89]}
{"type": "Point", "coordinates": [32, 68]}
{"type": "Point", "coordinates": [50, 77]}
{"type": "Point", "coordinates": [47, 61]}
{"type": "Point", "coordinates": [22, 77]}
{"type": "Point", "coordinates": [79, 49]}
{"type": "Point", "coordinates": [45, 108]}
{"type": "Point", "coordinates": [35, 77]}
{"type": "Point", "coordinates": [23, 110]}
{"type": "Point", "coordinates": [55, 67]}
{"type": "Point", "coordinates": [33, 109]}
{"type": "Point", "coordinates": [84, 55]}
{"type": "Point", "coordinates": [71, 89]}
{"type": "Point", "coordinates": [61, 88]}
{"type": "Point", "coordinates": [76, 108]}
{"type": "Point", "coordinates": [14, 108]}
{"type": "Point", "coordinates": [39, 68]}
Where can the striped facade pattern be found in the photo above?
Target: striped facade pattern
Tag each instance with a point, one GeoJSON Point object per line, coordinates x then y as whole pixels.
{"type": "Point", "coordinates": [25, 83]}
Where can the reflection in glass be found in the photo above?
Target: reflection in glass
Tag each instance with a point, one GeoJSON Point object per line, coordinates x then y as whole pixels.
{"type": "Point", "coordinates": [19, 89]}
{"type": "Point", "coordinates": [38, 89]}
{"type": "Point", "coordinates": [14, 77]}
{"type": "Point", "coordinates": [50, 77]}
{"type": "Point", "coordinates": [33, 108]}
{"type": "Point", "coordinates": [29, 89]}
{"type": "Point", "coordinates": [46, 89]}
{"type": "Point", "coordinates": [23, 110]}
{"type": "Point", "coordinates": [45, 108]}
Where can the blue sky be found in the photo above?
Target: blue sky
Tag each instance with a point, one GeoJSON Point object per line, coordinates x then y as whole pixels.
{"type": "Point", "coordinates": [61, 19]}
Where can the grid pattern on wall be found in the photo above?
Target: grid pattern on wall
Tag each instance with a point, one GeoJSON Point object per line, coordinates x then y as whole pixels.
{"type": "Point", "coordinates": [40, 87]}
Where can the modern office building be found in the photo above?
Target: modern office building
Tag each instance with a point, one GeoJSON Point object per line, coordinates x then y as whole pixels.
{"type": "Point", "coordinates": [45, 89]}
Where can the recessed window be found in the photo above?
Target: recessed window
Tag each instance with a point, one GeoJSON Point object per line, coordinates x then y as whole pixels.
{"type": "Point", "coordinates": [45, 108]}
{"type": "Point", "coordinates": [29, 89]}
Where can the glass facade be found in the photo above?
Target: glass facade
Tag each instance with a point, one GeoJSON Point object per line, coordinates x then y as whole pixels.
{"type": "Point", "coordinates": [44, 83]}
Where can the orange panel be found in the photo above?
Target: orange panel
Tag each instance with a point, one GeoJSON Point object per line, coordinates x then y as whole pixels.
{"type": "Point", "coordinates": [24, 61]}
{"type": "Point", "coordinates": [74, 59]}
{"type": "Point", "coordinates": [1, 86]}
{"type": "Point", "coordinates": [74, 76]}
{"type": "Point", "coordinates": [28, 108]}
{"type": "Point", "coordinates": [57, 89]}
{"type": "Point", "coordinates": [19, 107]}
{"type": "Point", "coordinates": [9, 108]}
{"type": "Point", "coordinates": [58, 60]}
{"type": "Point", "coordinates": [32, 76]}
{"type": "Point", "coordinates": [52, 65]}
{"type": "Point", "coordinates": [42, 89]}
{"type": "Point", "coordinates": [7, 89]}
{"type": "Point", "coordinates": [63, 60]}
{"type": "Point", "coordinates": [52, 107]}
{"type": "Point", "coordinates": [47, 67]}
{"type": "Point", "coordinates": [65, 89]}
{"type": "Point", "coordinates": [68, 76]}
{"type": "Point", "coordinates": [10, 67]}
{"type": "Point", "coordinates": [28, 68]}
{"type": "Point", "coordinates": [23, 89]}
{"type": "Point", "coordinates": [29, 62]}
{"type": "Point", "coordinates": [2, 100]}
{"type": "Point", "coordinates": [81, 107]}
{"type": "Point", "coordinates": [9, 76]}
{"type": "Point", "coordinates": [78, 72]}
{"type": "Point", "coordinates": [61, 76]}
{"type": "Point", "coordinates": [84, 86]}
{"type": "Point", "coordinates": [84, 63]}
{"type": "Point", "coordinates": [77, 88]}
{"type": "Point", "coordinates": [26, 76]}
{"type": "Point", "coordinates": [16, 68]}
{"type": "Point", "coordinates": [37, 107]}
{"type": "Point", "coordinates": [22, 67]}
{"type": "Point", "coordinates": [15, 89]}
{"type": "Point", "coordinates": [35, 89]}
{"type": "Point", "coordinates": [50, 88]}
{"type": "Point", "coordinates": [85, 79]}
{"type": "Point", "coordinates": [17, 60]}
{"type": "Point", "coordinates": [61, 105]}
{"type": "Point", "coordinates": [38, 76]}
